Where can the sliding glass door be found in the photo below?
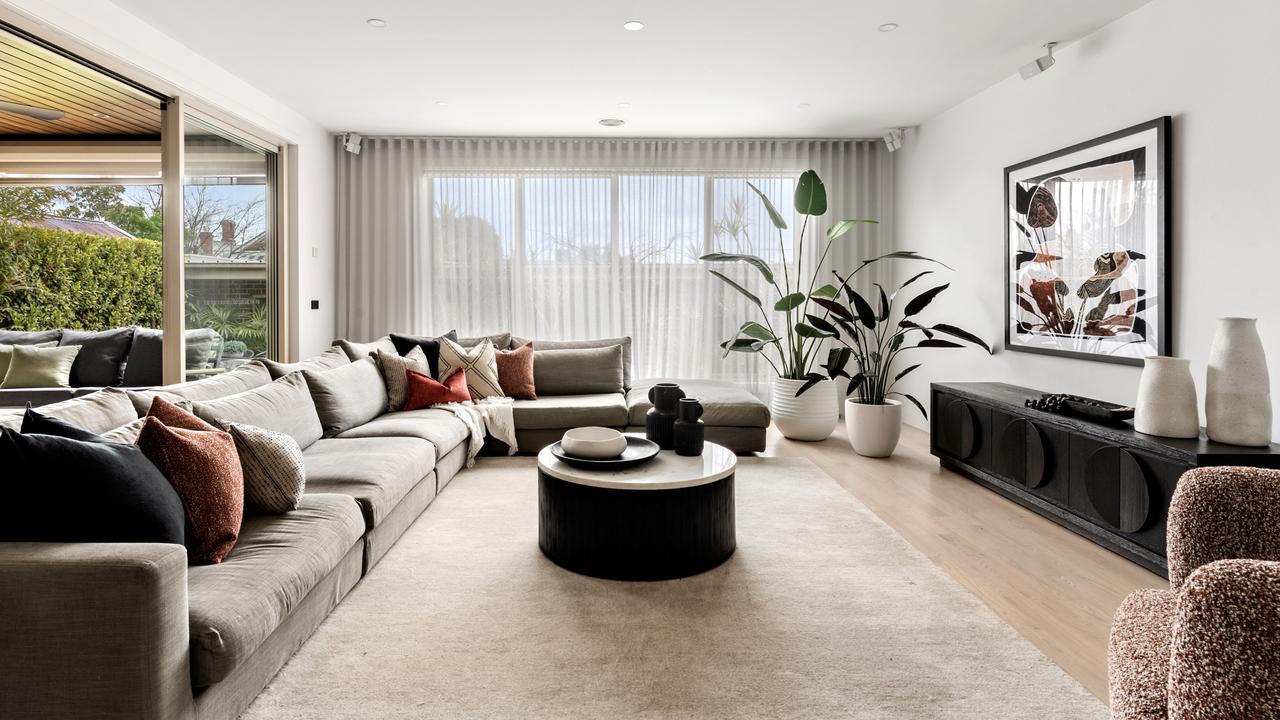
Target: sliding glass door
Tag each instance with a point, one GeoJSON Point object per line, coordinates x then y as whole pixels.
{"type": "Point", "coordinates": [229, 246]}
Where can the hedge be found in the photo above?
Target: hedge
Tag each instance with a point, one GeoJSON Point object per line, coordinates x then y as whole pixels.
{"type": "Point", "coordinates": [59, 279]}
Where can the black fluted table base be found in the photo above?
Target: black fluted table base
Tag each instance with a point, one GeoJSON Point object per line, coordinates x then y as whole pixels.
{"type": "Point", "coordinates": [635, 534]}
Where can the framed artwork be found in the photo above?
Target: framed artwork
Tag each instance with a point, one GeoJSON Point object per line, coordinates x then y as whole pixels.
{"type": "Point", "coordinates": [1087, 248]}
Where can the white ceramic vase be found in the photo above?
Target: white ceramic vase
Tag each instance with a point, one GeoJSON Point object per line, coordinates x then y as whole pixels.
{"type": "Point", "coordinates": [812, 416]}
{"type": "Point", "coordinates": [1167, 404]}
{"type": "Point", "coordinates": [873, 429]}
{"type": "Point", "coordinates": [1238, 391]}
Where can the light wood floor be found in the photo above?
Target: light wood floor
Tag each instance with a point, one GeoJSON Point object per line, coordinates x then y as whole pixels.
{"type": "Point", "coordinates": [1054, 587]}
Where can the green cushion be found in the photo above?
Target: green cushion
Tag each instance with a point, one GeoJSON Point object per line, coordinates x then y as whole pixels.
{"type": "Point", "coordinates": [6, 352]}
{"type": "Point", "coordinates": [40, 367]}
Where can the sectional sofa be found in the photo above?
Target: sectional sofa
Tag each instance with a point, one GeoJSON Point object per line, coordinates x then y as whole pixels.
{"type": "Point", "coordinates": [131, 631]}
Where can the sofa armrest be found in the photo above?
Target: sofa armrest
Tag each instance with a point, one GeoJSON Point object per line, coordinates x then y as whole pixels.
{"type": "Point", "coordinates": [1223, 513]}
{"type": "Point", "coordinates": [94, 630]}
{"type": "Point", "coordinates": [1225, 659]}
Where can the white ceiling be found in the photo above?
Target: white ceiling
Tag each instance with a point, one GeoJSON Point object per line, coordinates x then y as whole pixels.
{"type": "Point", "coordinates": [727, 68]}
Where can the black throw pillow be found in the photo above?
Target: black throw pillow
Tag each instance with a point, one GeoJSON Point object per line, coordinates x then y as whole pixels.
{"type": "Point", "coordinates": [34, 423]}
{"type": "Point", "coordinates": [430, 347]}
{"type": "Point", "coordinates": [146, 358]}
{"type": "Point", "coordinates": [56, 489]}
{"type": "Point", "coordinates": [100, 362]}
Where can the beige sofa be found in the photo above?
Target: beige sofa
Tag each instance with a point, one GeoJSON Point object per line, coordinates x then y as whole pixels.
{"type": "Point", "coordinates": [130, 631]}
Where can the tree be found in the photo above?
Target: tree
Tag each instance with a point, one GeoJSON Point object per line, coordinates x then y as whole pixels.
{"type": "Point", "coordinates": [23, 203]}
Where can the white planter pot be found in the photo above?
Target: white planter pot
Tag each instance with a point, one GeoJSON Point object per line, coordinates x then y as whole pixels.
{"type": "Point", "coordinates": [1167, 403]}
{"type": "Point", "coordinates": [812, 416]}
{"type": "Point", "coordinates": [873, 429]}
{"type": "Point", "coordinates": [1238, 392]}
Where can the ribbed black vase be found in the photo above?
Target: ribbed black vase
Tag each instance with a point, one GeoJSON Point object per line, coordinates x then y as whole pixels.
{"type": "Point", "coordinates": [659, 422]}
{"type": "Point", "coordinates": [690, 432]}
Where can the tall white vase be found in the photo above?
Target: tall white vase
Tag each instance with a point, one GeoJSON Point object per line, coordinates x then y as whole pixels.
{"type": "Point", "coordinates": [812, 416]}
{"type": "Point", "coordinates": [1167, 403]}
{"type": "Point", "coordinates": [1238, 391]}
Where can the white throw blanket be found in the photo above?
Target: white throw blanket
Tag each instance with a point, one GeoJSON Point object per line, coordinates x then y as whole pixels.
{"type": "Point", "coordinates": [493, 415]}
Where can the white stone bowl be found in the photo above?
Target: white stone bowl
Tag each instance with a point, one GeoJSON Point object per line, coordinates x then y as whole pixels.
{"type": "Point", "coordinates": [593, 443]}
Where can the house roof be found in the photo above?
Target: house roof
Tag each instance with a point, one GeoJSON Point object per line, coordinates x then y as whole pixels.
{"type": "Point", "coordinates": [101, 228]}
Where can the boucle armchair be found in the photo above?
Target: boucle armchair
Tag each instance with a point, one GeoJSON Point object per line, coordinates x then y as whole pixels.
{"type": "Point", "coordinates": [1209, 647]}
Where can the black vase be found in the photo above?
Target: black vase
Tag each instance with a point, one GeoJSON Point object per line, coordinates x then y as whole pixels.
{"type": "Point", "coordinates": [661, 417]}
{"type": "Point", "coordinates": [690, 432]}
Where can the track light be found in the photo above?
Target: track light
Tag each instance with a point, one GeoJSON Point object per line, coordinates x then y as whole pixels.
{"type": "Point", "coordinates": [1040, 64]}
{"type": "Point", "coordinates": [895, 138]}
{"type": "Point", "coordinates": [351, 142]}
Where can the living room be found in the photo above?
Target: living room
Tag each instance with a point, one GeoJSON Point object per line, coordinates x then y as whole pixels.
{"type": "Point", "coordinates": [638, 360]}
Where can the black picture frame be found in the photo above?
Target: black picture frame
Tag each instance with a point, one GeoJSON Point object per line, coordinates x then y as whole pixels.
{"type": "Point", "coordinates": [1149, 150]}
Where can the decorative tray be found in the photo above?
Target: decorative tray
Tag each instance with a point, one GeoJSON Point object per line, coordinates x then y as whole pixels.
{"type": "Point", "coordinates": [1082, 407]}
{"type": "Point", "coordinates": [639, 451]}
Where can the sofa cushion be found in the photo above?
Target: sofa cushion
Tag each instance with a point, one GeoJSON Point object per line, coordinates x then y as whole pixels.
{"type": "Point", "coordinates": [245, 377]}
{"type": "Point", "coordinates": [29, 337]}
{"type": "Point", "coordinates": [356, 351]}
{"type": "Point", "coordinates": [625, 342]}
{"type": "Point", "coordinates": [347, 396]}
{"type": "Point", "coordinates": [143, 399]}
{"type": "Point", "coordinates": [100, 362]}
{"type": "Point", "coordinates": [203, 346]}
{"type": "Point", "coordinates": [395, 373]}
{"type": "Point", "coordinates": [235, 605]}
{"type": "Point", "coordinates": [724, 404]}
{"type": "Point", "coordinates": [33, 366]}
{"type": "Point", "coordinates": [501, 341]}
{"type": "Point", "coordinates": [16, 398]}
{"type": "Point", "coordinates": [439, 427]}
{"type": "Point", "coordinates": [328, 360]}
{"type": "Point", "coordinates": [145, 365]}
{"type": "Point", "coordinates": [377, 471]}
{"type": "Point", "coordinates": [275, 475]}
{"type": "Point", "coordinates": [284, 406]}
{"type": "Point", "coordinates": [578, 371]}
{"type": "Point", "coordinates": [515, 372]}
{"type": "Point", "coordinates": [6, 352]}
{"type": "Point", "coordinates": [479, 362]}
{"type": "Point", "coordinates": [570, 411]}
{"type": "Point", "coordinates": [97, 412]}
{"type": "Point", "coordinates": [430, 347]}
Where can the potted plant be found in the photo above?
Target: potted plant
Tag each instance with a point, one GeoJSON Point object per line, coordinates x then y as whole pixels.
{"type": "Point", "coordinates": [872, 338]}
{"type": "Point", "coordinates": [803, 409]}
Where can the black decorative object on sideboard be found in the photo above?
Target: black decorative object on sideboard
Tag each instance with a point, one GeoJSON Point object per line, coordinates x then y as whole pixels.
{"type": "Point", "coordinates": [1108, 483]}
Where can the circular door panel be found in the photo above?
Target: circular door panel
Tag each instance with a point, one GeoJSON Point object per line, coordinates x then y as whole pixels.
{"type": "Point", "coordinates": [1037, 456]}
{"type": "Point", "coordinates": [1119, 489]}
{"type": "Point", "coordinates": [962, 424]}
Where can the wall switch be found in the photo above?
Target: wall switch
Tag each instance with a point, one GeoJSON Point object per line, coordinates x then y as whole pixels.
{"type": "Point", "coordinates": [315, 304]}
{"type": "Point", "coordinates": [315, 251]}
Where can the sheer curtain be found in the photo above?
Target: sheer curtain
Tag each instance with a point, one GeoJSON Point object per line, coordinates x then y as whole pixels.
{"type": "Point", "coordinates": [582, 238]}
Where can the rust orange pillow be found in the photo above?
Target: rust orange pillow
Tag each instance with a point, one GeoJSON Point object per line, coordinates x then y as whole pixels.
{"type": "Point", "coordinates": [204, 469]}
{"type": "Point", "coordinates": [425, 391]}
{"type": "Point", "coordinates": [515, 372]}
{"type": "Point", "coordinates": [175, 417]}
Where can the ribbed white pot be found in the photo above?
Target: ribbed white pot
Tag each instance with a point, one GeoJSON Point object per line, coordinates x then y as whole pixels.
{"type": "Point", "coordinates": [873, 429]}
{"type": "Point", "coordinates": [812, 416]}
{"type": "Point", "coordinates": [1167, 403]}
{"type": "Point", "coordinates": [1238, 392]}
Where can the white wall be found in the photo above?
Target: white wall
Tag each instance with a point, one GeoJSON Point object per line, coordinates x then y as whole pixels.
{"type": "Point", "coordinates": [137, 50]}
{"type": "Point", "coordinates": [1213, 68]}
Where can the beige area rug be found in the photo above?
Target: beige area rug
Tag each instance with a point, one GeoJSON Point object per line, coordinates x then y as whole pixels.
{"type": "Point", "coordinates": [823, 612]}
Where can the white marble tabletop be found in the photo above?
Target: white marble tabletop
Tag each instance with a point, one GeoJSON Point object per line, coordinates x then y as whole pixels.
{"type": "Point", "coordinates": [667, 471]}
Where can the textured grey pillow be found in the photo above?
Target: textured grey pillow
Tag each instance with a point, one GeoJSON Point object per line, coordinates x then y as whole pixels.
{"type": "Point", "coordinates": [127, 433]}
{"type": "Point", "coordinates": [283, 406]}
{"type": "Point", "coordinates": [97, 412]}
{"type": "Point", "coordinates": [275, 474]}
{"type": "Point", "coordinates": [329, 359]}
{"type": "Point", "coordinates": [394, 367]}
{"type": "Point", "coordinates": [356, 351]}
{"type": "Point", "coordinates": [245, 377]}
{"type": "Point", "coordinates": [348, 396]}
{"type": "Point", "coordinates": [625, 342]}
{"type": "Point", "coordinates": [580, 371]}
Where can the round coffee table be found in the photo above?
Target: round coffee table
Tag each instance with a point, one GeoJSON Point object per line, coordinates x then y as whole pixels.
{"type": "Point", "coordinates": [669, 518]}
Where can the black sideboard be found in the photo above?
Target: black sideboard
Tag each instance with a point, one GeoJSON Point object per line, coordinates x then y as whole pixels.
{"type": "Point", "coordinates": [1110, 484]}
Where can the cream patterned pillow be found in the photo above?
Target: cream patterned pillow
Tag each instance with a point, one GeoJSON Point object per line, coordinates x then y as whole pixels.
{"type": "Point", "coordinates": [480, 363]}
{"type": "Point", "coordinates": [274, 473]}
{"type": "Point", "coordinates": [394, 369]}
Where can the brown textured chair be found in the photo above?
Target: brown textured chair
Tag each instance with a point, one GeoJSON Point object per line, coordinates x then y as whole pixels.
{"type": "Point", "coordinates": [1209, 647]}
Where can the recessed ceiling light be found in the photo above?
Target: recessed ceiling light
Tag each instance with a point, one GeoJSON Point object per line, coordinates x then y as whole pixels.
{"type": "Point", "coordinates": [624, 105]}
{"type": "Point", "coordinates": [612, 122]}
{"type": "Point", "coordinates": [442, 103]}
{"type": "Point", "coordinates": [804, 106]}
{"type": "Point", "coordinates": [888, 27]}
{"type": "Point", "coordinates": [376, 22]}
{"type": "Point", "coordinates": [633, 25]}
